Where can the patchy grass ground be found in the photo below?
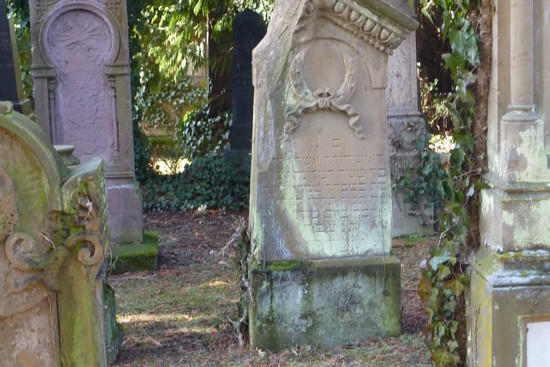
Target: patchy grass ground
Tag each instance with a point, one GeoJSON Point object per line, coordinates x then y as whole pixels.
{"type": "Point", "coordinates": [179, 315]}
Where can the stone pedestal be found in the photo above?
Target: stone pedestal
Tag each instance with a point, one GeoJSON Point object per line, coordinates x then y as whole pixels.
{"type": "Point", "coordinates": [509, 301]}
{"type": "Point", "coordinates": [81, 77]}
{"type": "Point", "coordinates": [324, 302]}
{"type": "Point", "coordinates": [11, 88]}
{"type": "Point", "coordinates": [320, 209]}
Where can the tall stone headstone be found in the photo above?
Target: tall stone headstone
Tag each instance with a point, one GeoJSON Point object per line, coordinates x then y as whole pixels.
{"type": "Point", "coordinates": [406, 124]}
{"type": "Point", "coordinates": [11, 88]}
{"type": "Point", "coordinates": [509, 303]}
{"type": "Point", "coordinates": [320, 207]}
{"type": "Point", "coordinates": [82, 95]}
{"type": "Point", "coordinates": [248, 30]}
{"type": "Point", "coordinates": [52, 245]}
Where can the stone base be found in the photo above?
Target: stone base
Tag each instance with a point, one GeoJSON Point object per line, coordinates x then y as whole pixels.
{"type": "Point", "coordinates": [510, 294]}
{"type": "Point", "coordinates": [324, 302]}
{"type": "Point", "coordinates": [125, 212]}
{"type": "Point", "coordinates": [405, 224]}
{"type": "Point", "coordinates": [135, 257]}
{"type": "Point", "coordinates": [113, 330]}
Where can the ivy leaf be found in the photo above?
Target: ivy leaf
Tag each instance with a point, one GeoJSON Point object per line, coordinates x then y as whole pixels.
{"type": "Point", "coordinates": [456, 286]}
{"type": "Point", "coordinates": [441, 258]}
{"type": "Point", "coordinates": [424, 289]}
{"type": "Point", "coordinates": [444, 358]}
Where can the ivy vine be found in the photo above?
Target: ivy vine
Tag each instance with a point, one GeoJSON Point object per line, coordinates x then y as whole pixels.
{"type": "Point", "coordinates": [465, 25]}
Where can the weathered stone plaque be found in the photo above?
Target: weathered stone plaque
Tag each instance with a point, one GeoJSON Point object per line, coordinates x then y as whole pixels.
{"type": "Point", "coordinates": [321, 191]}
{"type": "Point", "coordinates": [82, 95]}
{"type": "Point", "coordinates": [52, 247]}
{"type": "Point", "coordinates": [10, 74]}
{"type": "Point", "coordinates": [538, 337]}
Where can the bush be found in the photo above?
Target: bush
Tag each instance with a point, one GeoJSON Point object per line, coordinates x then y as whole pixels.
{"type": "Point", "coordinates": [209, 182]}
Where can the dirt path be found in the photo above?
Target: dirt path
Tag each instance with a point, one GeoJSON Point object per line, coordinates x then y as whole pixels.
{"type": "Point", "coordinates": [179, 315]}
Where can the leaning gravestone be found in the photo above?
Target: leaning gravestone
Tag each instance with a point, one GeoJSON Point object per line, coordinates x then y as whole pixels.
{"type": "Point", "coordinates": [248, 30]}
{"type": "Point", "coordinates": [52, 242]}
{"type": "Point", "coordinates": [82, 95]}
{"type": "Point", "coordinates": [11, 88]}
{"type": "Point", "coordinates": [322, 273]}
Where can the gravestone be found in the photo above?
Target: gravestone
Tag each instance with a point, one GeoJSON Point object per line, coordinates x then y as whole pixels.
{"type": "Point", "coordinates": [53, 241]}
{"type": "Point", "coordinates": [509, 305]}
{"type": "Point", "coordinates": [320, 212]}
{"type": "Point", "coordinates": [82, 95]}
{"type": "Point", "coordinates": [406, 124]}
{"type": "Point", "coordinates": [11, 88]}
{"type": "Point", "coordinates": [248, 30]}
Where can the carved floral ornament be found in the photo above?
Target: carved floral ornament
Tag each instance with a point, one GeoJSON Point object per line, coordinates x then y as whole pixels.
{"type": "Point", "coordinates": [322, 99]}
{"type": "Point", "coordinates": [30, 259]}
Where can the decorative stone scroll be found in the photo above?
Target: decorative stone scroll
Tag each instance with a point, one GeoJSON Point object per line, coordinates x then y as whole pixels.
{"type": "Point", "coordinates": [81, 76]}
{"type": "Point", "coordinates": [52, 248]}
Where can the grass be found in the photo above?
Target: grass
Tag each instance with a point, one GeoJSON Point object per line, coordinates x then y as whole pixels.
{"type": "Point", "coordinates": [180, 316]}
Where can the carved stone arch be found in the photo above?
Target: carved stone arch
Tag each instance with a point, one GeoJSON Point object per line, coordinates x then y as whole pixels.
{"type": "Point", "coordinates": [34, 139]}
{"type": "Point", "coordinates": [65, 7]}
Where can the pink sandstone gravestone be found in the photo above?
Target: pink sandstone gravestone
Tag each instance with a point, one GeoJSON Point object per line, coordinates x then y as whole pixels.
{"type": "Point", "coordinates": [82, 94]}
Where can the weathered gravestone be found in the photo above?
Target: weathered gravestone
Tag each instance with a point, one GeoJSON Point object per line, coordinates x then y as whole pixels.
{"type": "Point", "coordinates": [11, 88]}
{"type": "Point", "coordinates": [52, 246]}
{"type": "Point", "coordinates": [509, 304]}
{"type": "Point", "coordinates": [248, 30]}
{"type": "Point", "coordinates": [406, 125]}
{"type": "Point", "coordinates": [320, 212]}
{"type": "Point", "coordinates": [82, 95]}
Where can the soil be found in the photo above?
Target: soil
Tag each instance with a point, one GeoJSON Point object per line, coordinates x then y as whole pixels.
{"type": "Point", "coordinates": [181, 314]}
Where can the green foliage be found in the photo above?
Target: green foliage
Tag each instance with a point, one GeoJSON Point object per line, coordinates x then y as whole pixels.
{"type": "Point", "coordinates": [209, 182]}
{"type": "Point", "coordinates": [444, 282]}
{"type": "Point", "coordinates": [200, 133]}
{"type": "Point", "coordinates": [421, 182]}
{"type": "Point", "coordinates": [18, 12]}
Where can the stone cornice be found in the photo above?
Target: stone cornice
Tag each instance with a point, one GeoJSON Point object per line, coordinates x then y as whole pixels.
{"type": "Point", "coordinates": [375, 22]}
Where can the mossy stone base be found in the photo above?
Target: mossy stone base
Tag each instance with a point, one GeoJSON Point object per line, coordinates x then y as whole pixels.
{"type": "Point", "coordinates": [135, 257]}
{"type": "Point", "coordinates": [113, 330]}
{"type": "Point", "coordinates": [507, 292]}
{"type": "Point", "coordinates": [324, 302]}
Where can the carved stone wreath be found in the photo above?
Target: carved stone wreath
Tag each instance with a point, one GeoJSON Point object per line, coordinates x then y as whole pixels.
{"type": "Point", "coordinates": [322, 99]}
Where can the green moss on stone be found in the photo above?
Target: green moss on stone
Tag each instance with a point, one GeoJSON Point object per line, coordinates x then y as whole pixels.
{"type": "Point", "coordinates": [136, 257]}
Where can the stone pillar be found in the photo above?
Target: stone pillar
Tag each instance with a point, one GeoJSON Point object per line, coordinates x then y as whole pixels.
{"type": "Point", "coordinates": [510, 288]}
{"type": "Point", "coordinates": [82, 95]}
{"type": "Point", "coordinates": [405, 121]}
{"type": "Point", "coordinates": [320, 206]}
{"type": "Point", "coordinates": [11, 88]}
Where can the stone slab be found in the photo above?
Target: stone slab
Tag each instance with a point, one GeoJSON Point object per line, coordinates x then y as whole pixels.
{"type": "Point", "coordinates": [324, 302]}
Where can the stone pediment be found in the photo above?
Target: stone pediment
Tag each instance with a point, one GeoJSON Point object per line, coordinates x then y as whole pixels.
{"type": "Point", "coordinates": [373, 21]}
